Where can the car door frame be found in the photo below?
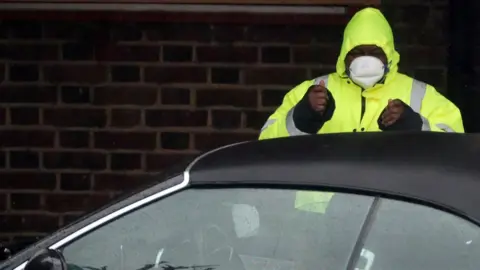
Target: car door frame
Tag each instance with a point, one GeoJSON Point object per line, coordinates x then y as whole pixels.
{"type": "Point", "coordinates": [100, 218]}
{"type": "Point", "coordinates": [226, 177]}
{"type": "Point", "coordinates": [170, 187]}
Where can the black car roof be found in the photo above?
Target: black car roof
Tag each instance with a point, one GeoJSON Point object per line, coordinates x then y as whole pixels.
{"type": "Point", "coordinates": [436, 168]}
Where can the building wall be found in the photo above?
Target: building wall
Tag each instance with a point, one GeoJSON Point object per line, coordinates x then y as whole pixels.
{"type": "Point", "coordinates": [87, 108]}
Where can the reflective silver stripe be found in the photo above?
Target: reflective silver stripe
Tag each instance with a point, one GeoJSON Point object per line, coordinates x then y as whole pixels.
{"type": "Point", "coordinates": [416, 99]}
{"type": "Point", "coordinates": [426, 124]}
{"type": "Point", "coordinates": [268, 123]}
{"type": "Point", "coordinates": [291, 128]}
{"type": "Point", "coordinates": [319, 79]}
{"type": "Point", "coordinates": [418, 93]}
{"type": "Point", "coordinates": [445, 128]}
{"type": "Point", "coordinates": [290, 124]}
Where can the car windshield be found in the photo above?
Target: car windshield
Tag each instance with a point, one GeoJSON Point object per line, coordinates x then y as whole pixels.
{"type": "Point", "coordinates": [244, 229]}
{"type": "Point", "coordinates": [278, 229]}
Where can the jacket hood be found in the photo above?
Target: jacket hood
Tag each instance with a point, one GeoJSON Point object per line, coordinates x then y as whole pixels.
{"type": "Point", "coordinates": [369, 27]}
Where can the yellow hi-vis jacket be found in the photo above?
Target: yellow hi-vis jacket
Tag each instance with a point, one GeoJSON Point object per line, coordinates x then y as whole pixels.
{"type": "Point", "coordinates": [357, 110]}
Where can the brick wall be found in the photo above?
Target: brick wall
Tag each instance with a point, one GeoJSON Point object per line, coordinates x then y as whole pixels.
{"type": "Point", "coordinates": [86, 108]}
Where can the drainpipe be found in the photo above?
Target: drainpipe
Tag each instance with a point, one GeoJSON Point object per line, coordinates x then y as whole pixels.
{"type": "Point", "coordinates": [461, 64]}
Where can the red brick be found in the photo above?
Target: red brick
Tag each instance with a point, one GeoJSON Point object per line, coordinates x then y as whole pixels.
{"type": "Point", "coordinates": [24, 30]}
{"type": "Point", "coordinates": [317, 72]}
{"type": "Point", "coordinates": [27, 94]}
{"type": "Point", "coordinates": [227, 54]}
{"type": "Point", "coordinates": [23, 73]}
{"type": "Point", "coordinates": [27, 180]}
{"type": "Point", "coordinates": [64, 30]}
{"type": "Point", "coordinates": [125, 140]}
{"type": "Point", "coordinates": [74, 139]}
{"type": "Point", "coordinates": [433, 35]}
{"type": "Point", "coordinates": [4, 31]}
{"type": "Point", "coordinates": [125, 117]}
{"type": "Point", "coordinates": [66, 117]}
{"type": "Point", "coordinates": [75, 160]}
{"type": "Point", "coordinates": [120, 181]}
{"type": "Point", "coordinates": [256, 119]}
{"type": "Point", "coordinates": [177, 53]}
{"type": "Point", "coordinates": [414, 35]}
{"type": "Point", "coordinates": [275, 76]}
{"type": "Point", "coordinates": [276, 54]}
{"type": "Point", "coordinates": [270, 33]}
{"type": "Point", "coordinates": [325, 55]}
{"type": "Point", "coordinates": [3, 116]}
{"type": "Point", "coordinates": [125, 95]}
{"type": "Point", "coordinates": [186, 74]}
{"type": "Point", "coordinates": [225, 75]}
{"type": "Point", "coordinates": [293, 34]}
{"type": "Point", "coordinates": [127, 32]}
{"type": "Point", "coordinates": [62, 203]}
{"type": "Point", "coordinates": [25, 201]}
{"type": "Point", "coordinates": [125, 161]}
{"type": "Point", "coordinates": [75, 73]}
{"type": "Point", "coordinates": [78, 51]}
{"type": "Point", "coordinates": [179, 32]}
{"type": "Point", "coordinates": [26, 138]}
{"type": "Point", "coordinates": [414, 56]}
{"type": "Point", "coordinates": [24, 160]}
{"type": "Point", "coordinates": [125, 73]}
{"type": "Point", "coordinates": [175, 140]}
{"type": "Point", "coordinates": [75, 94]}
{"type": "Point", "coordinates": [160, 162]}
{"type": "Point", "coordinates": [28, 223]}
{"type": "Point", "coordinates": [3, 202]}
{"type": "Point", "coordinates": [175, 96]}
{"type": "Point", "coordinates": [175, 118]}
{"type": "Point", "coordinates": [3, 70]}
{"type": "Point", "coordinates": [75, 181]}
{"type": "Point", "coordinates": [32, 52]}
{"type": "Point", "coordinates": [406, 36]}
{"type": "Point", "coordinates": [273, 97]}
{"type": "Point", "coordinates": [229, 32]}
{"type": "Point", "coordinates": [24, 116]}
{"type": "Point", "coordinates": [408, 13]}
{"type": "Point", "coordinates": [435, 77]}
{"type": "Point", "coordinates": [128, 53]}
{"type": "Point", "coordinates": [242, 98]}
{"type": "Point", "coordinates": [3, 159]}
{"type": "Point", "coordinates": [208, 141]}
{"type": "Point", "coordinates": [223, 119]}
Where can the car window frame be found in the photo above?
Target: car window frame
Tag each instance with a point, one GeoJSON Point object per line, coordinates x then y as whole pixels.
{"type": "Point", "coordinates": [180, 183]}
{"type": "Point", "coordinates": [99, 218]}
{"type": "Point", "coordinates": [176, 179]}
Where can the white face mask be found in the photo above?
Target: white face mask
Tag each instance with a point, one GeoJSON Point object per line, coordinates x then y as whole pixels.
{"type": "Point", "coordinates": [366, 71]}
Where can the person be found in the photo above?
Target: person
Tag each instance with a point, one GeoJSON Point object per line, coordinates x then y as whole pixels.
{"type": "Point", "coordinates": [366, 93]}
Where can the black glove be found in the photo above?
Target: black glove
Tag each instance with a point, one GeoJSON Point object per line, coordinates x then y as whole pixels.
{"type": "Point", "coordinates": [308, 120]}
{"type": "Point", "coordinates": [408, 120]}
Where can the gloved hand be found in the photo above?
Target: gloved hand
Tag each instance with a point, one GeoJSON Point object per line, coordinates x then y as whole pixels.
{"type": "Point", "coordinates": [315, 108]}
{"type": "Point", "coordinates": [398, 116]}
{"type": "Point", "coordinates": [318, 97]}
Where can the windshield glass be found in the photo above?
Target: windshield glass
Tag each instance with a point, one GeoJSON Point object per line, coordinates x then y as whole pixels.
{"type": "Point", "coordinates": [244, 229]}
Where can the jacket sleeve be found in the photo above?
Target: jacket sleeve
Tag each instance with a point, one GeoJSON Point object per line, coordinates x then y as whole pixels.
{"type": "Point", "coordinates": [439, 114]}
{"type": "Point", "coordinates": [280, 123]}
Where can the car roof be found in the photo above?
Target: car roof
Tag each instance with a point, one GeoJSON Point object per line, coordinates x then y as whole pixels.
{"type": "Point", "coordinates": [442, 169]}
